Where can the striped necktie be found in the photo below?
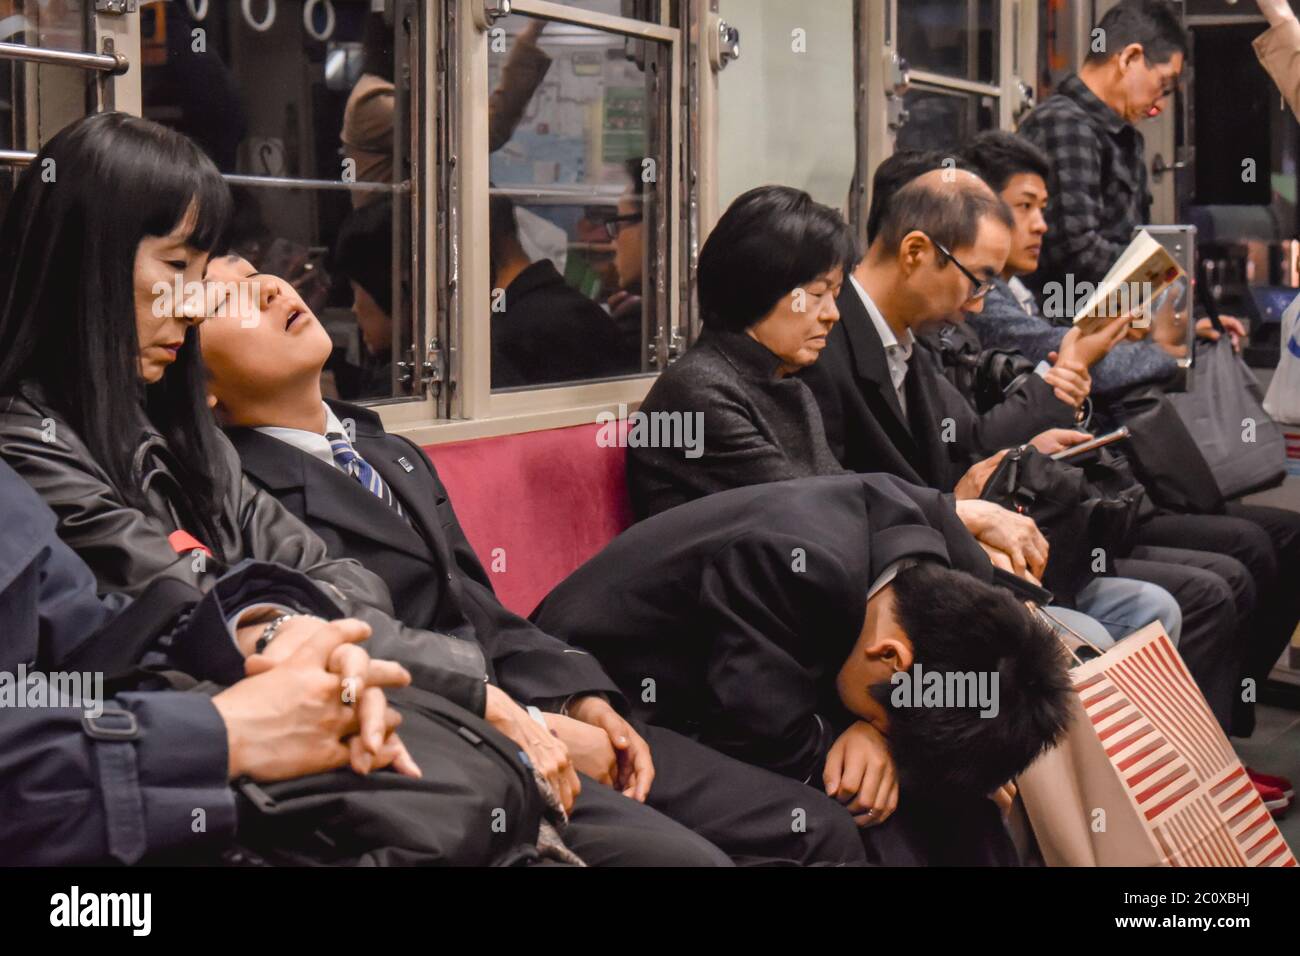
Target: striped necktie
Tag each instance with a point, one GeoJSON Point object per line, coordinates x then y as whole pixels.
{"type": "Point", "coordinates": [346, 457]}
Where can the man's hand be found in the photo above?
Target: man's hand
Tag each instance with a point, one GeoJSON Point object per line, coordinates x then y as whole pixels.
{"type": "Point", "coordinates": [1015, 535]}
{"type": "Point", "coordinates": [293, 719]}
{"type": "Point", "coordinates": [860, 774]}
{"type": "Point", "coordinates": [977, 476]}
{"type": "Point", "coordinates": [1236, 331]}
{"type": "Point", "coordinates": [1088, 350]}
{"type": "Point", "coordinates": [636, 769]}
{"type": "Point", "coordinates": [1058, 439]}
{"type": "Point", "coordinates": [548, 755]}
{"type": "Point", "coordinates": [361, 679]}
{"type": "Point", "coordinates": [1070, 381]}
{"type": "Point", "coordinates": [589, 747]}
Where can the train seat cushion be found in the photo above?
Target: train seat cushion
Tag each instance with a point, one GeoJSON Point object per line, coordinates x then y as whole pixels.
{"type": "Point", "coordinates": [535, 505]}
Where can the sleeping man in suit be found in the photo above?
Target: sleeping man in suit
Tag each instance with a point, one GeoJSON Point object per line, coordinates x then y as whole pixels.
{"type": "Point", "coordinates": [376, 498]}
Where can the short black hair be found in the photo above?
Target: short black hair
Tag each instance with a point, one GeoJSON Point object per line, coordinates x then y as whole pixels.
{"type": "Point", "coordinates": [949, 213]}
{"type": "Point", "coordinates": [959, 624]}
{"type": "Point", "coordinates": [1153, 23]}
{"type": "Point", "coordinates": [996, 155]}
{"type": "Point", "coordinates": [895, 172]}
{"type": "Point", "coordinates": [769, 241]}
{"type": "Point", "coordinates": [363, 251]}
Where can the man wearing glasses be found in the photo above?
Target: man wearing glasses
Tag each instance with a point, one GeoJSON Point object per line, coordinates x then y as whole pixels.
{"type": "Point", "coordinates": [941, 242]}
{"type": "Point", "coordinates": [1088, 128]}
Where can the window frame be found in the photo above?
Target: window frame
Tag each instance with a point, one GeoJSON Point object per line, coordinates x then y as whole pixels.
{"type": "Point", "coordinates": [469, 408]}
{"type": "Point", "coordinates": [877, 29]}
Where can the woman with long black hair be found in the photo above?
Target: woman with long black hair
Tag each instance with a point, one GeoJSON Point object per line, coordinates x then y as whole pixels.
{"type": "Point", "coordinates": [102, 402]}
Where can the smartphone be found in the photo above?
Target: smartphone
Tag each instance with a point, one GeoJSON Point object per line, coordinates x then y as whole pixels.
{"type": "Point", "coordinates": [1100, 441]}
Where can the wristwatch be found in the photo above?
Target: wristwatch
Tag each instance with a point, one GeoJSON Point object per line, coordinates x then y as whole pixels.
{"type": "Point", "coordinates": [269, 632]}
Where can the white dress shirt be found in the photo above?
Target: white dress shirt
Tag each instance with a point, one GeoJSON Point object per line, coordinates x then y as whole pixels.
{"type": "Point", "coordinates": [316, 445]}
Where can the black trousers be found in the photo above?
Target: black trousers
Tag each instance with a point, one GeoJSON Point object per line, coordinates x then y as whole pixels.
{"type": "Point", "coordinates": [756, 816]}
{"type": "Point", "coordinates": [609, 829]}
{"type": "Point", "coordinates": [1205, 586]}
{"type": "Point", "coordinates": [1263, 540]}
{"type": "Point", "coordinates": [762, 818]}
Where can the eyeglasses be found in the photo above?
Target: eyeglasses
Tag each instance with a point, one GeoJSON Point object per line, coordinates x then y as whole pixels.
{"type": "Point", "coordinates": [616, 224]}
{"type": "Point", "coordinates": [981, 287]}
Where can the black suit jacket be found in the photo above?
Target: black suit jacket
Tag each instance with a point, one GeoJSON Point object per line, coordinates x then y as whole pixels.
{"type": "Point", "coordinates": [551, 332]}
{"type": "Point", "coordinates": [728, 617]}
{"type": "Point", "coordinates": [940, 436]}
{"type": "Point", "coordinates": [435, 578]}
{"type": "Point", "coordinates": [865, 424]}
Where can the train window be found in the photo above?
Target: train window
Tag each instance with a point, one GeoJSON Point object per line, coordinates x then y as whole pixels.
{"type": "Point", "coordinates": [936, 72]}
{"type": "Point", "coordinates": [944, 119]}
{"type": "Point", "coordinates": [577, 170]}
{"type": "Point", "coordinates": [786, 106]}
{"type": "Point", "coordinates": [307, 107]}
{"type": "Point", "coordinates": [954, 38]}
{"type": "Point", "coordinates": [36, 100]}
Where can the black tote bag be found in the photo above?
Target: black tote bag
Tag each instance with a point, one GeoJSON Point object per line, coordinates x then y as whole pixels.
{"type": "Point", "coordinates": [1224, 412]}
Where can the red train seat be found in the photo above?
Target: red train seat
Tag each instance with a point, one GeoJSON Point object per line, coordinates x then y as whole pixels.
{"type": "Point", "coordinates": [535, 505]}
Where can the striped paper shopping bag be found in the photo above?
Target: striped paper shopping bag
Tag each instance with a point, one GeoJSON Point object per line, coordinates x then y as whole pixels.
{"type": "Point", "coordinates": [1145, 776]}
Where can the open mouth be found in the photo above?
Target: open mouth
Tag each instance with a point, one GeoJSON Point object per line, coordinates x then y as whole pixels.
{"type": "Point", "coordinates": [294, 316]}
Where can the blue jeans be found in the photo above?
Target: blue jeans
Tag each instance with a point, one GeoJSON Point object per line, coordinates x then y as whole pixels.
{"type": "Point", "coordinates": [1123, 605]}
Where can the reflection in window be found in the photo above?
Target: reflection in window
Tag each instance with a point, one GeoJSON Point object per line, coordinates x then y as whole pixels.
{"type": "Point", "coordinates": [575, 170]}
{"type": "Point", "coordinates": [27, 119]}
{"type": "Point", "coordinates": [282, 101]}
{"type": "Point", "coordinates": [944, 119]}
{"type": "Point", "coordinates": [957, 38]}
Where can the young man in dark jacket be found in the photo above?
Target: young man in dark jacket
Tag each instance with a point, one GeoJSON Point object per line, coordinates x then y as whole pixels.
{"type": "Point", "coordinates": [376, 498]}
{"type": "Point", "coordinates": [790, 624]}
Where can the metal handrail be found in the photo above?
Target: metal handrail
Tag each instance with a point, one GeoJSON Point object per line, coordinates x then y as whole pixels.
{"type": "Point", "coordinates": [113, 63]}
{"type": "Point", "coordinates": [287, 182]}
{"type": "Point", "coordinates": [19, 157]}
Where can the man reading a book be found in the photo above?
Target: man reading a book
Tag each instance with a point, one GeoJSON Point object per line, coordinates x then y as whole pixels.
{"type": "Point", "coordinates": [1012, 317]}
{"type": "Point", "coordinates": [1088, 128]}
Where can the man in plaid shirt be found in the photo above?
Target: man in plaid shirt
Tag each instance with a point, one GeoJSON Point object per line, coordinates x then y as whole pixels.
{"type": "Point", "coordinates": [1098, 184]}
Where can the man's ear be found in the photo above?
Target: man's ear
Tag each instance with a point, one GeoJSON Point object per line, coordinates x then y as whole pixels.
{"type": "Point", "coordinates": [912, 251]}
{"type": "Point", "coordinates": [212, 401]}
{"type": "Point", "coordinates": [896, 652]}
{"type": "Point", "coordinates": [1130, 55]}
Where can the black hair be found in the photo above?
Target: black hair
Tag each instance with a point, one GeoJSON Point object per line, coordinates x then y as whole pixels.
{"type": "Point", "coordinates": [895, 172]}
{"type": "Point", "coordinates": [769, 241]}
{"type": "Point", "coordinates": [363, 251]}
{"type": "Point", "coordinates": [1153, 23]}
{"type": "Point", "coordinates": [67, 303]}
{"type": "Point", "coordinates": [949, 213]}
{"type": "Point", "coordinates": [996, 155]}
{"type": "Point", "coordinates": [958, 624]}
